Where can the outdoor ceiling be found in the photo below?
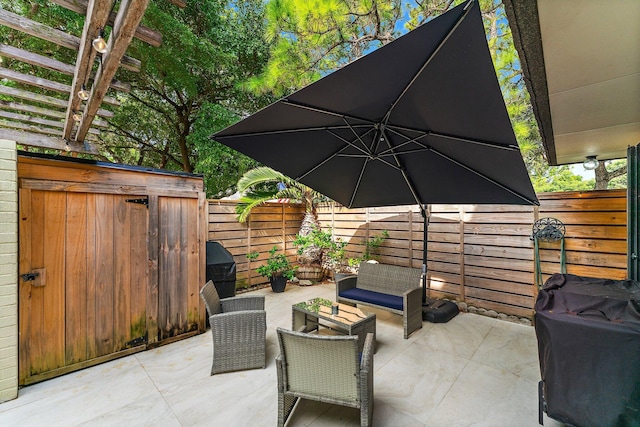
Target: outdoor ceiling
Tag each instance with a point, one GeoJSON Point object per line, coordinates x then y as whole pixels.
{"type": "Point", "coordinates": [45, 119]}
{"type": "Point", "coordinates": [581, 61]}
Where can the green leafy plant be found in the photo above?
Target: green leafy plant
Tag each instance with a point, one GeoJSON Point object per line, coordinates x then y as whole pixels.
{"type": "Point", "coordinates": [333, 251]}
{"type": "Point", "coordinates": [313, 246]}
{"type": "Point", "coordinates": [371, 246]}
{"type": "Point", "coordinates": [276, 265]}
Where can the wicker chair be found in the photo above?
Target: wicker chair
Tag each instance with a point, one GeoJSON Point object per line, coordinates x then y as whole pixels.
{"type": "Point", "coordinates": [326, 369]}
{"type": "Point", "coordinates": [238, 327]}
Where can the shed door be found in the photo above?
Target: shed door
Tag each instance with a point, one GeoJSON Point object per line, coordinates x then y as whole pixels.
{"type": "Point", "coordinates": [178, 267]}
{"type": "Point", "coordinates": [87, 301]}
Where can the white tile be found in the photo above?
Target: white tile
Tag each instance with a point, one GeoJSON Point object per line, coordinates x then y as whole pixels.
{"type": "Point", "coordinates": [471, 371]}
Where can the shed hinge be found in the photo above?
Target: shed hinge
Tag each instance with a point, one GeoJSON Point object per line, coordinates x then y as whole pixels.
{"type": "Point", "coordinates": [144, 201]}
{"type": "Point", "coordinates": [136, 341]}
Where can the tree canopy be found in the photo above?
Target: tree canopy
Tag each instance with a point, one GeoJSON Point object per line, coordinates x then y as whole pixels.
{"type": "Point", "coordinates": [192, 86]}
{"type": "Point", "coordinates": [221, 60]}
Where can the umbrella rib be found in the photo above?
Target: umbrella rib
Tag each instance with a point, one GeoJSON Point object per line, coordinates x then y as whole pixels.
{"type": "Point", "coordinates": [455, 26]}
{"type": "Point", "coordinates": [350, 144]}
{"type": "Point", "coordinates": [401, 168]}
{"type": "Point", "coordinates": [337, 153]}
{"type": "Point", "coordinates": [391, 152]}
{"type": "Point", "coordinates": [509, 147]}
{"type": "Point", "coordinates": [358, 137]}
{"type": "Point", "coordinates": [481, 175]}
{"type": "Point", "coordinates": [283, 131]}
{"type": "Point", "coordinates": [395, 129]}
{"type": "Point", "coordinates": [324, 111]}
{"type": "Point", "coordinates": [318, 165]}
{"type": "Point", "coordinates": [355, 188]}
{"type": "Point", "coordinates": [407, 142]}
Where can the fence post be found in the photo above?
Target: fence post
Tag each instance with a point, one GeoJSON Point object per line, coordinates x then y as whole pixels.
{"type": "Point", "coordinates": [461, 228]}
{"type": "Point", "coordinates": [410, 240]}
{"type": "Point", "coordinates": [249, 250]}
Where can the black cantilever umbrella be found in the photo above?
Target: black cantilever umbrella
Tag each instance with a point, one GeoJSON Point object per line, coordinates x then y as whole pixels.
{"type": "Point", "coordinates": [420, 120]}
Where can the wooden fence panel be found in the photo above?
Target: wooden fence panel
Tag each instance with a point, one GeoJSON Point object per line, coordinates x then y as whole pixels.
{"type": "Point", "coordinates": [479, 254]}
{"type": "Point", "coordinates": [272, 224]}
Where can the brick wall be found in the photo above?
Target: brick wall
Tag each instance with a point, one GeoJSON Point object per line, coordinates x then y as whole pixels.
{"type": "Point", "coordinates": [8, 272]}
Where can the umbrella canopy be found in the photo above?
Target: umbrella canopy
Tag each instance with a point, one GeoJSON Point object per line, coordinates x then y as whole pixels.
{"type": "Point", "coordinates": [420, 120]}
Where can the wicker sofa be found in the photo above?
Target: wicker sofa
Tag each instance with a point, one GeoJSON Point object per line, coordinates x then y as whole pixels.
{"type": "Point", "coordinates": [389, 287]}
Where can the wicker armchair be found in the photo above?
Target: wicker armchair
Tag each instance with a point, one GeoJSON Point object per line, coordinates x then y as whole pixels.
{"type": "Point", "coordinates": [326, 369]}
{"type": "Point", "coordinates": [238, 327]}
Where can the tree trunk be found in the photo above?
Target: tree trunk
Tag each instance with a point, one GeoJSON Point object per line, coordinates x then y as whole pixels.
{"type": "Point", "coordinates": [603, 176]}
{"type": "Point", "coordinates": [312, 254]}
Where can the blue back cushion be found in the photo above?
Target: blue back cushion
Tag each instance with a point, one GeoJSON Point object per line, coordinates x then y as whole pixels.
{"type": "Point", "coordinates": [372, 297]}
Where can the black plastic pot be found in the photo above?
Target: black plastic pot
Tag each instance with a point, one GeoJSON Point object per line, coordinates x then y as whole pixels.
{"type": "Point", "coordinates": [278, 283]}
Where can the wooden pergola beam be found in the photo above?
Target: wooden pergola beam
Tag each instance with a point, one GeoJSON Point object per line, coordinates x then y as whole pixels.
{"type": "Point", "coordinates": [37, 129]}
{"type": "Point", "coordinates": [23, 118]}
{"type": "Point", "coordinates": [127, 20]}
{"type": "Point", "coordinates": [28, 79]}
{"type": "Point", "coordinates": [58, 37]}
{"type": "Point", "coordinates": [32, 109]}
{"type": "Point", "coordinates": [97, 13]}
{"type": "Point", "coordinates": [7, 105]}
{"type": "Point", "coordinates": [50, 64]}
{"type": "Point", "coordinates": [146, 34]}
{"type": "Point", "coordinates": [35, 59]}
{"type": "Point", "coordinates": [43, 141]}
{"type": "Point", "coordinates": [30, 127]}
{"type": "Point", "coordinates": [37, 29]}
{"type": "Point", "coordinates": [44, 99]}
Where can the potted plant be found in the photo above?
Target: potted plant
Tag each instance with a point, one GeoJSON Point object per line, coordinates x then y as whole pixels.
{"type": "Point", "coordinates": [312, 248]}
{"type": "Point", "coordinates": [277, 268]}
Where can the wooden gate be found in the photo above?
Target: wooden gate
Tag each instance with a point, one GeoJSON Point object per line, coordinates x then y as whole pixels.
{"type": "Point", "coordinates": [82, 293]}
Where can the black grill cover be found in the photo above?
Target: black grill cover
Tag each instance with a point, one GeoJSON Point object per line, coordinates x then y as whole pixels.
{"type": "Point", "coordinates": [221, 269]}
{"type": "Point", "coordinates": [588, 334]}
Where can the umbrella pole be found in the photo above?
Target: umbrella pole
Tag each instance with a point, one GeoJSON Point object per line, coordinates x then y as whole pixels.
{"type": "Point", "coordinates": [425, 228]}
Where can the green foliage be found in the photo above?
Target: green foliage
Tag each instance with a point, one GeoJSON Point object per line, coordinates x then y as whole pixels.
{"type": "Point", "coordinates": [318, 238]}
{"type": "Point", "coordinates": [310, 38]}
{"type": "Point", "coordinates": [262, 184]}
{"type": "Point", "coordinates": [191, 87]}
{"type": "Point", "coordinates": [332, 250]}
{"type": "Point", "coordinates": [560, 178]}
{"type": "Point", "coordinates": [276, 265]}
{"type": "Point", "coordinates": [371, 246]}
{"type": "Point", "coordinates": [220, 165]}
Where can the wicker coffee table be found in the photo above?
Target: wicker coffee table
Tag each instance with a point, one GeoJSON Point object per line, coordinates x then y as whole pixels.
{"type": "Point", "coordinates": [349, 320]}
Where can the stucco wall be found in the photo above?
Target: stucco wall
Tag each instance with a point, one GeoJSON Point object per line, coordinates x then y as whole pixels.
{"type": "Point", "coordinates": [8, 272]}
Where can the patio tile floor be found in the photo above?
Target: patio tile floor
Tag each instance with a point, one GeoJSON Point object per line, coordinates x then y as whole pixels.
{"type": "Point", "coordinates": [471, 371]}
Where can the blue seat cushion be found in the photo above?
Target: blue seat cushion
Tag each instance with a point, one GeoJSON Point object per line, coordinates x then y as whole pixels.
{"type": "Point", "coordinates": [372, 297]}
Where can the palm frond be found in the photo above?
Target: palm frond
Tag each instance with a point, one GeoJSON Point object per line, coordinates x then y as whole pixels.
{"type": "Point", "coordinates": [259, 175]}
{"type": "Point", "coordinates": [250, 200]}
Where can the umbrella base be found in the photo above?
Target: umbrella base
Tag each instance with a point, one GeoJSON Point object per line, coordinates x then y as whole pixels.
{"type": "Point", "coordinates": [439, 311]}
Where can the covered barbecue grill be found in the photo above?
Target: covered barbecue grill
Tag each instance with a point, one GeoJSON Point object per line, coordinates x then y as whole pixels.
{"type": "Point", "coordinates": [221, 269]}
{"type": "Point", "coordinates": [588, 334]}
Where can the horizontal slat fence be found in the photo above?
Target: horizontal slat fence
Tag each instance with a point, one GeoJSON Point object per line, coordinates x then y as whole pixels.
{"type": "Point", "coordinates": [268, 225]}
{"type": "Point", "coordinates": [478, 254]}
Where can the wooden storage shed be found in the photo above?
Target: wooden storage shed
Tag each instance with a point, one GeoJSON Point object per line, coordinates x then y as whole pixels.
{"type": "Point", "coordinates": [112, 258]}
